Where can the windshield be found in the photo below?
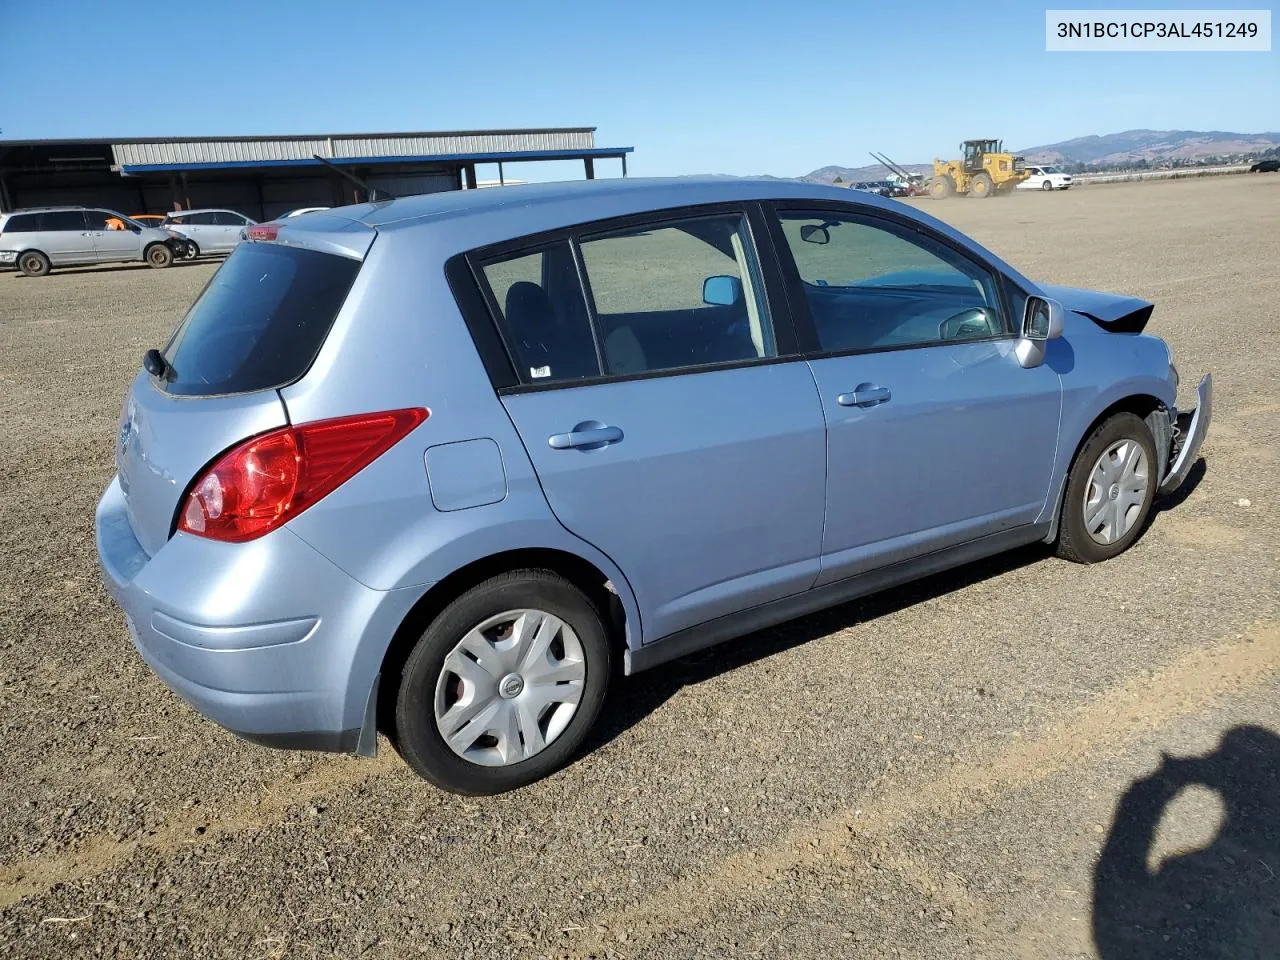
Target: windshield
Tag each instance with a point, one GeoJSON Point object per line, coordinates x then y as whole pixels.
{"type": "Point", "coordinates": [1050, 170]}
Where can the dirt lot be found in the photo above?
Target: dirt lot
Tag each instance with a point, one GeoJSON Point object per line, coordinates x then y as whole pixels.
{"type": "Point", "coordinates": [933, 773]}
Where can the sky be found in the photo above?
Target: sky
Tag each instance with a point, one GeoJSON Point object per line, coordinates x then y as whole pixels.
{"type": "Point", "coordinates": [740, 87]}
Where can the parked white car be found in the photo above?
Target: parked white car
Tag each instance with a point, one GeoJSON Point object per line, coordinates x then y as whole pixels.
{"type": "Point", "coordinates": [1046, 178]}
{"type": "Point", "coordinates": [212, 231]}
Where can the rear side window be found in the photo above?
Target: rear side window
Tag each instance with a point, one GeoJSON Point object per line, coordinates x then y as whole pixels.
{"type": "Point", "coordinates": [679, 294]}
{"type": "Point", "coordinates": [260, 321]}
{"type": "Point", "coordinates": [62, 220]}
{"type": "Point", "coordinates": [544, 319]}
{"type": "Point", "coordinates": [22, 223]}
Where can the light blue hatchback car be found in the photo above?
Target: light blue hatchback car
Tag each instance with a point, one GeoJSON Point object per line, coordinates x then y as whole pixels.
{"type": "Point", "coordinates": [434, 466]}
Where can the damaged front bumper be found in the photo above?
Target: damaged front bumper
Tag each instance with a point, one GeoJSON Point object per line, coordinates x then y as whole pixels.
{"type": "Point", "coordinates": [1189, 432]}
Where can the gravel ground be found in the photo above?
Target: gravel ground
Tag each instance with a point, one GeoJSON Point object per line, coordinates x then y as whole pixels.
{"type": "Point", "coordinates": [931, 773]}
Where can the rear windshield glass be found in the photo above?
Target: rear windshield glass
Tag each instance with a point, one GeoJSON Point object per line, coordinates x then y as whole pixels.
{"type": "Point", "coordinates": [260, 321]}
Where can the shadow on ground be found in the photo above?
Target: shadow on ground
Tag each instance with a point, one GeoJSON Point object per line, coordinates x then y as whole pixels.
{"type": "Point", "coordinates": [634, 698]}
{"type": "Point", "coordinates": [1222, 901]}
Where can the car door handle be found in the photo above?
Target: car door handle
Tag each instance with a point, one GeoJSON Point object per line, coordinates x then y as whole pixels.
{"type": "Point", "coordinates": [864, 395]}
{"type": "Point", "coordinates": [585, 436]}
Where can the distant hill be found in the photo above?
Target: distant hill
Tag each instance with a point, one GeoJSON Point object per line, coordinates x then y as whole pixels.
{"type": "Point", "coordinates": [873, 171]}
{"type": "Point", "coordinates": [1131, 145]}
{"type": "Point", "coordinates": [1109, 149]}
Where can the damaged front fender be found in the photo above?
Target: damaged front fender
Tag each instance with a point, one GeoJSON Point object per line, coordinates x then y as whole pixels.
{"type": "Point", "coordinates": [1190, 435]}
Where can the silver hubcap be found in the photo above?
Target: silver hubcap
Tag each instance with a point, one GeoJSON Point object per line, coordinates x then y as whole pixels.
{"type": "Point", "coordinates": [510, 687]}
{"type": "Point", "coordinates": [1116, 492]}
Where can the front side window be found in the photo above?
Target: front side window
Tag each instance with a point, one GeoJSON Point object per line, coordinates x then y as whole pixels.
{"type": "Point", "coordinates": [108, 220]}
{"type": "Point", "coordinates": [542, 314]}
{"type": "Point", "coordinates": [872, 286]}
{"type": "Point", "coordinates": [676, 294]}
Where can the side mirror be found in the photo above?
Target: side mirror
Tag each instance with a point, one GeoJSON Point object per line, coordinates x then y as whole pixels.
{"type": "Point", "coordinates": [813, 233]}
{"type": "Point", "coordinates": [1042, 319]}
{"type": "Point", "coordinates": [1041, 323]}
{"type": "Point", "coordinates": [722, 291]}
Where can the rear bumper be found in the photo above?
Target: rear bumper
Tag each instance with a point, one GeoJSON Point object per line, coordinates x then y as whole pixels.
{"type": "Point", "coordinates": [1192, 430]}
{"type": "Point", "coordinates": [268, 638]}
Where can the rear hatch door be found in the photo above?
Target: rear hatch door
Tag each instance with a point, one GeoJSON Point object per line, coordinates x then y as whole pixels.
{"type": "Point", "coordinates": [256, 327]}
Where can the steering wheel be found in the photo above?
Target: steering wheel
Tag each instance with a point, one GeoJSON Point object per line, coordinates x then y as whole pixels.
{"type": "Point", "coordinates": [968, 324]}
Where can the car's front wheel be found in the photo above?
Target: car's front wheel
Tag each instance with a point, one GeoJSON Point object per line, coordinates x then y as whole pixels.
{"type": "Point", "coordinates": [504, 685]}
{"type": "Point", "coordinates": [1048, 185]}
{"type": "Point", "coordinates": [159, 256]}
{"type": "Point", "coordinates": [1110, 490]}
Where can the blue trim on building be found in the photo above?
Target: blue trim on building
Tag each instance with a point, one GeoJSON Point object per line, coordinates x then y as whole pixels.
{"type": "Point", "coordinates": [591, 153]}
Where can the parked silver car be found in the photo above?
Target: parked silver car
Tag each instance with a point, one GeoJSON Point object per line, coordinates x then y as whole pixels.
{"type": "Point", "coordinates": [434, 465]}
{"type": "Point", "coordinates": [38, 239]}
{"type": "Point", "coordinates": [211, 231]}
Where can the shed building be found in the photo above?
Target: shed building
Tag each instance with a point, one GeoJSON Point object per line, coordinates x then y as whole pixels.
{"type": "Point", "coordinates": [263, 177]}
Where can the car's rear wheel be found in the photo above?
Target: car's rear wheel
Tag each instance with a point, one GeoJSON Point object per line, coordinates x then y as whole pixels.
{"type": "Point", "coordinates": [1110, 490]}
{"type": "Point", "coordinates": [159, 256]}
{"type": "Point", "coordinates": [191, 250]}
{"type": "Point", "coordinates": [1047, 185]}
{"type": "Point", "coordinates": [33, 263]}
{"type": "Point", "coordinates": [504, 685]}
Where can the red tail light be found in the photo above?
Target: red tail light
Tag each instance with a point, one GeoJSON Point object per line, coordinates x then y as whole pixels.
{"type": "Point", "coordinates": [263, 231]}
{"type": "Point", "coordinates": [267, 480]}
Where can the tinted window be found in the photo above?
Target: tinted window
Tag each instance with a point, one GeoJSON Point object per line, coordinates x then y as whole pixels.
{"type": "Point", "coordinates": [227, 219]}
{"type": "Point", "coordinates": [62, 220]}
{"type": "Point", "coordinates": [22, 223]}
{"type": "Point", "coordinates": [203, 219]}
{"type": "Point", "coordinates": [871, 287]}
{"type": "Point", "coordinates": [677, 294]}
{"type": "Point", "coordinates": [542, 313]}
{"type": "Point", "coordinates": [260, 321]}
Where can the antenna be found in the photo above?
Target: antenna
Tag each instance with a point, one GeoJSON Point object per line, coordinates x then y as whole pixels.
{"type": "Point", "coordinates": [372, 191]}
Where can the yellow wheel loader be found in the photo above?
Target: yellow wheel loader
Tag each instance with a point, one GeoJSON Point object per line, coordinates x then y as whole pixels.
{"type": "Point", "coordinates": [983, 170]}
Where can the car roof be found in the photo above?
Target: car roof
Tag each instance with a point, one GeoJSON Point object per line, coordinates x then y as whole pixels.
{"type": "Point", "coordinates": [184, 213]}
{"type": "Point", "coordinates": [460, 220]}
{"type": "Point", "coordinates": [577, 200]}
{"type": "Point", "coordinates": [47, 209]}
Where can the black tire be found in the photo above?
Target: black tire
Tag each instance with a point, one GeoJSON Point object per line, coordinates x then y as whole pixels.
{"type": "Point", "coordinates": [1047, 185]}
{"type": "Point", "coordinates": [980, 186]}
{"type": "Point", "coordinates": [158, 255]}
{"type": "Point", "coordinates": [33, 263]}
{"type": "Point", "coordinates": [417, 737]}
{"type": "Point", "coordinates": [941, 187]}
{"type": "Point", "coordinates": [1074, 541]}
{"type": "Point", "coordinates": [191, 250]}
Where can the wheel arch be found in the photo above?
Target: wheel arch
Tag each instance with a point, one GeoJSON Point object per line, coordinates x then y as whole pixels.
{"type": "Point", "coordinates": [26, 250]}
{"type": "Point", "coordinates": [1145, 406]}
{"type": "Point", "coordinates": [146, 250]}
{"type": "Point", "coordinates": [581, 572]}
